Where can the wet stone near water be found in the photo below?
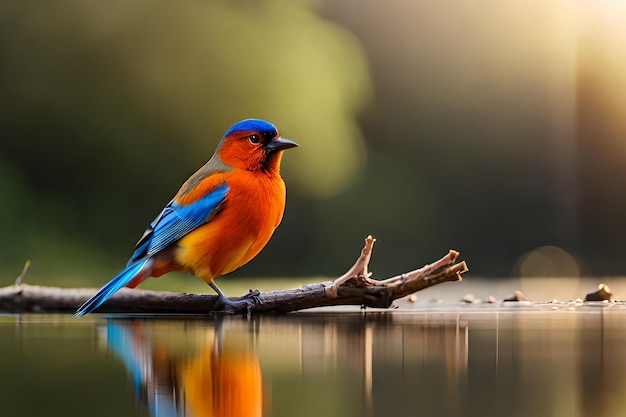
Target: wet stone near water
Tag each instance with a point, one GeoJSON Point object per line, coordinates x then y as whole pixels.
{"type": "Point", "coordinates": [602, 294]}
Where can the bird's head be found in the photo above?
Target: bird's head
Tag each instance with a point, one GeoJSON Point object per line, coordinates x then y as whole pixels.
{"type": "Point", "coordinates": [253, 145]}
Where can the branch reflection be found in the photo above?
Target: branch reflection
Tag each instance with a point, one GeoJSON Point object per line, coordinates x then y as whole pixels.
{"type": "Point", "coordinates": [337, 365]}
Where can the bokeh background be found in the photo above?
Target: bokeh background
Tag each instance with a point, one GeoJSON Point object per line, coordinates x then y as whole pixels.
{"type": "Point", "coordinates": [495, 128]}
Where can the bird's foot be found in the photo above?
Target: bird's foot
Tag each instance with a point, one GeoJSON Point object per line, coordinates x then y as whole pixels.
{"type": "Point", "coordinates": [238, 305]}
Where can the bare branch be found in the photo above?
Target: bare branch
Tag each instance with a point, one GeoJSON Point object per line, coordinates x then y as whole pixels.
{"type": "Point", "coordinates": [355, 287]}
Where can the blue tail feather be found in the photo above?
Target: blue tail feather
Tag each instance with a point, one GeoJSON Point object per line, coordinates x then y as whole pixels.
{"type": "Point", "coordinates": [122, 279]}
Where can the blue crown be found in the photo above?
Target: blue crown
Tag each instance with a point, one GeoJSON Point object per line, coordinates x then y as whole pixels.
{"type": "Point", "coordinates": [255, 125]}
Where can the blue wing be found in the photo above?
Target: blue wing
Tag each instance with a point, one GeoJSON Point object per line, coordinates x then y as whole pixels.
{"type": "Point", "coordinates": [176, 220]}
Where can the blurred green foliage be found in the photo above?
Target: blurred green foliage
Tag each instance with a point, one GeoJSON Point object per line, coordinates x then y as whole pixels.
{"type": "Point", "coordinates": [108, 108]}
{"type": "Point", "coordinates": [494, 129]}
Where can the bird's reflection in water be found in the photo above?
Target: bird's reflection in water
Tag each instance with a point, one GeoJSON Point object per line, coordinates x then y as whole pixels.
{"type": "Point", "coordinates": [200, 370]}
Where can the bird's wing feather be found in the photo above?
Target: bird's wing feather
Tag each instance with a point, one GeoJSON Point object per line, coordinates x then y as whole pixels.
{"type": "Point", "coordinates": [178, 219]}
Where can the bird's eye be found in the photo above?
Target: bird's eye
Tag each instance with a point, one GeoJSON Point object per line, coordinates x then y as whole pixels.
{"type": "Point", "coordinates": [254, 139]}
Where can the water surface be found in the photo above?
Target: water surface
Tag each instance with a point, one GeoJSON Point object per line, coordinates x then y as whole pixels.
{"type": "Point", "coordinates": [565, 360]}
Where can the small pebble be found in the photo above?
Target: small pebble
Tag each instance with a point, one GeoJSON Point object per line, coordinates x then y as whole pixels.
{"type": "Point", "coordinates": [518, 296]}
{"type": "Point", "coordinates": [412, 298]}
{"type": "Point", "coordinates": [603, 294]}
{"type": "Point", "coordinates": [491, 299]}
{"type": "Point", "coordinates": [469, 298]}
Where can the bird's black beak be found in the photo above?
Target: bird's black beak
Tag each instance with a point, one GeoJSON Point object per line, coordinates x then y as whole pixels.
{"type": "Point", "coordinates": [280, 144]}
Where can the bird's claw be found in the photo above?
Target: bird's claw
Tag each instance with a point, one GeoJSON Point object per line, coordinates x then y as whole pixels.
{"type": "Point", "coordinates": [238, 305]}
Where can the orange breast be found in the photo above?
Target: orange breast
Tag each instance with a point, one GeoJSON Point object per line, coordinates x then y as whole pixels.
{"type": "Point", "coordinates": [253, 208]}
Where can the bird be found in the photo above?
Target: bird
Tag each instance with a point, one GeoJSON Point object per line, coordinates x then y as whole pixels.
{"type": "Point", "coordinates": [220, 218]}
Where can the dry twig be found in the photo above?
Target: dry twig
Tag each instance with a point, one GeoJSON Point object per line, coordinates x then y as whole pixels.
{"type": "Point", "coordinates": [355, 287]}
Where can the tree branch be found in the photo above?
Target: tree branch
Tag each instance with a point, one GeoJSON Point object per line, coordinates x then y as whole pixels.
{"type": "Point", "coordinates": [355, 287]}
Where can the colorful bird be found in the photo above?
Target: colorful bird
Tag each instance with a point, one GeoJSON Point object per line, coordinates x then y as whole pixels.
{"type": "Point", "coordinates": [221, 217]}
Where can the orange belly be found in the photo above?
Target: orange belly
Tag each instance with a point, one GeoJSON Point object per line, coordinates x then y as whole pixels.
{"type": "Point", "coordinates": [253, 209]}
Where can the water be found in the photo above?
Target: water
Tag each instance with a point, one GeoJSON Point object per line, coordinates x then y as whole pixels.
{"type": "Point", "coordinates": [488, 360]}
